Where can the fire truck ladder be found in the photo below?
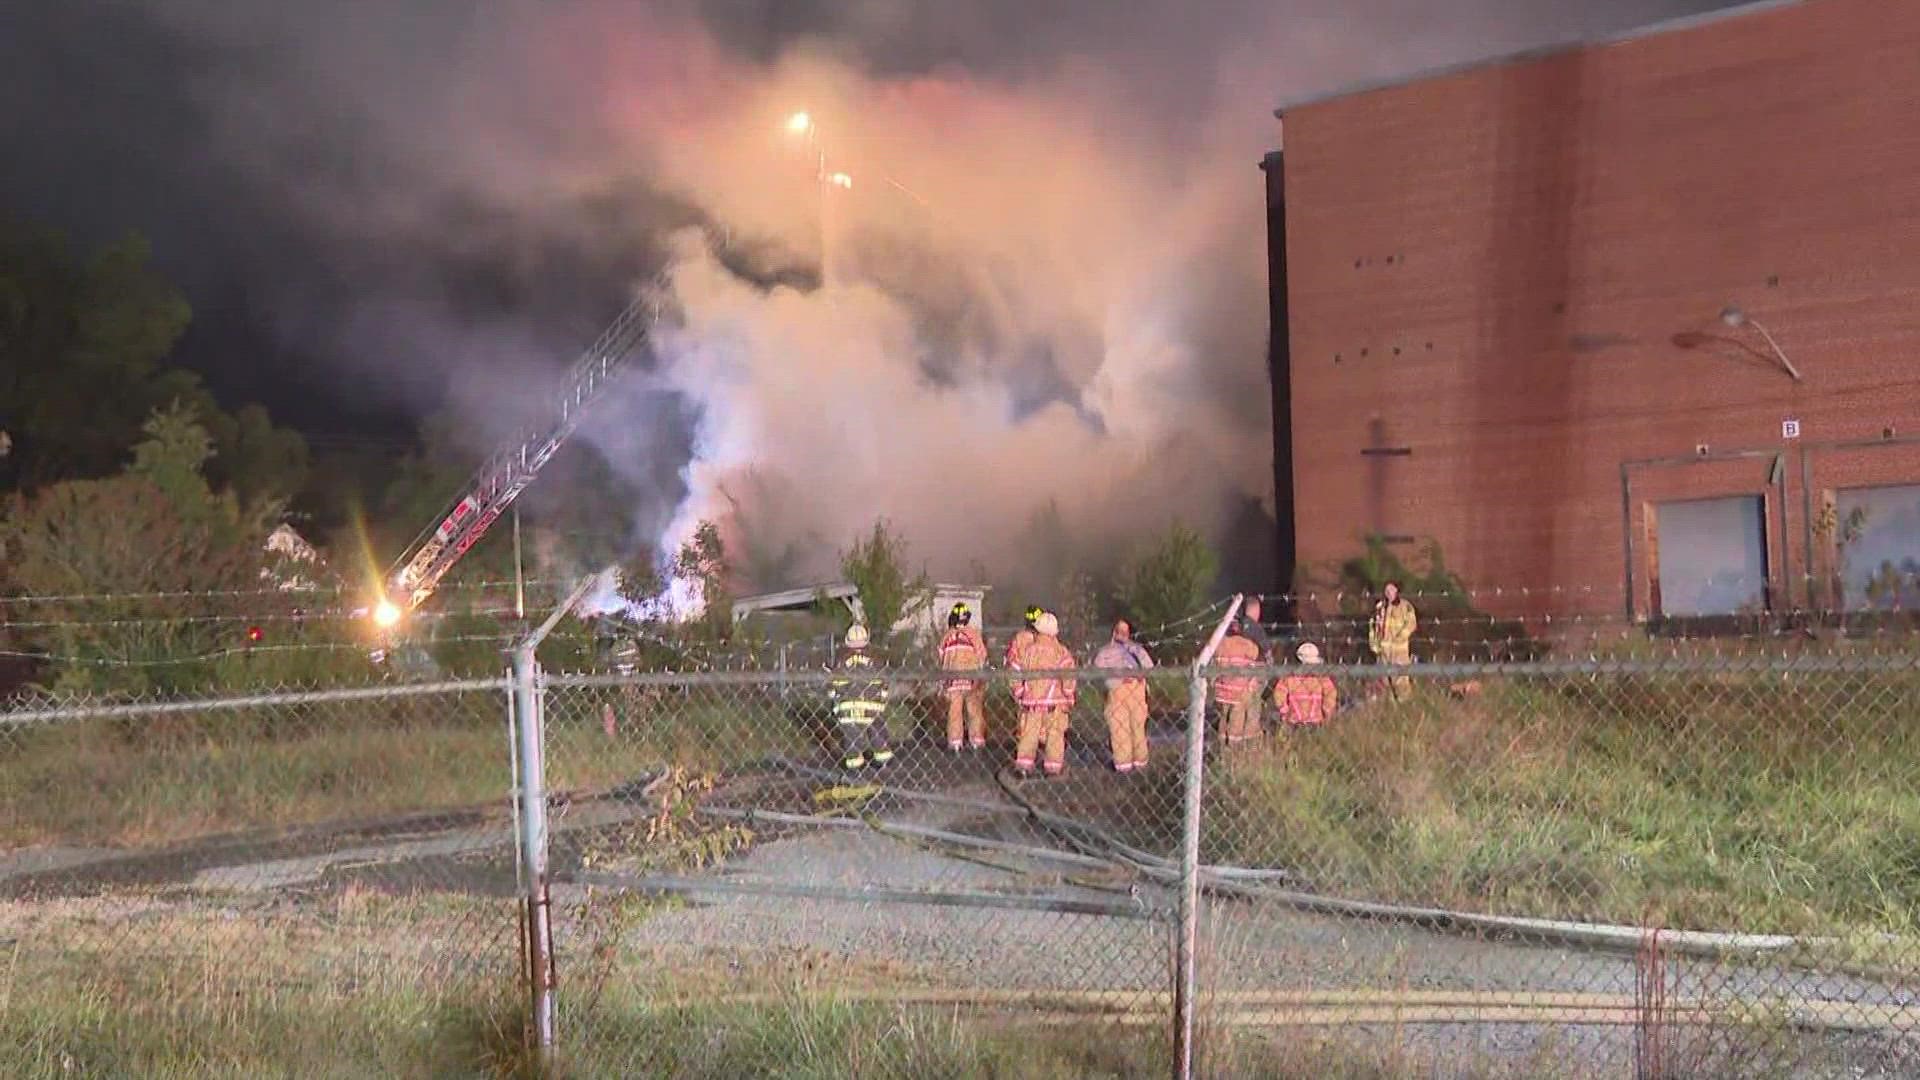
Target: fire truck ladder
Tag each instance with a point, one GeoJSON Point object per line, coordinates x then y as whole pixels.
{"type": "Point", "coordinates": [508, 472]}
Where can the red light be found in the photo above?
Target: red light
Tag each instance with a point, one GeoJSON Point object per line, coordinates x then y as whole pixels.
{"type": "Point", "coordinates": [254, 633]}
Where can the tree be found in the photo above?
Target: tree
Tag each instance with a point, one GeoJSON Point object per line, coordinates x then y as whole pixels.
{"type": "Point", "coordinates": [80, 347]}
{"type": "Point", "coordinates": [254, 459]}
{"type": "Point", "coordinates": [81, 351]}
{"type": "Point", "coordinates": [876, 565]}
{"type": "Point", "coordinates": [1170, 580]}
{"type": "Point", "coordinates": [702, 561]}
{"type": "Point", "coordinates": [157, 528]}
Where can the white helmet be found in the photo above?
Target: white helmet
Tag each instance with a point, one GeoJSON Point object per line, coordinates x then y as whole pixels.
{"type": "Point", "coordinates": [857, 636]}
{"type": "Point", "coordinates": [1047, 624]}
{"type": "Point", "coordinates": [1308, 652]}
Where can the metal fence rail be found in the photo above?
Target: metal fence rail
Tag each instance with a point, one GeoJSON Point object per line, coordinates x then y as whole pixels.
{"type": "Point", "coordinates": [1627, 866]}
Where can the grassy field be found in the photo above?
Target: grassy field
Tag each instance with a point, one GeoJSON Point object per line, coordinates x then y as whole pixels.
{"type": "Point", "coordinates": [1754, 803]}
{"type": "Point", "coordinates": [173, 778]}
{"type": "Point", "coordinates": [366, 985]}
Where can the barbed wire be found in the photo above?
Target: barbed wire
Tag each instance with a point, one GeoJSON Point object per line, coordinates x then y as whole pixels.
{"type": "Point", "coordinates": [323, 616]}
{"type": "Point", "coordinates": [240, 650]}
{"type": "Point", "coordinates": [269, 590]}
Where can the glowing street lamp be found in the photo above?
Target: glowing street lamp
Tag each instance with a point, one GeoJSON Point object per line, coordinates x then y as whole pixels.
{"type": "Point", "coordinates": [802, 124]}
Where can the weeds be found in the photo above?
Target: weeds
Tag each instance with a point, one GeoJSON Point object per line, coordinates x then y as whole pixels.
{"type": "Point", "coordinates": [1759, 804]}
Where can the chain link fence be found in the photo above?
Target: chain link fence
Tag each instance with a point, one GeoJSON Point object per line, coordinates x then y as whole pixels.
{"type": "Point", "coordinates": [1700, 864]}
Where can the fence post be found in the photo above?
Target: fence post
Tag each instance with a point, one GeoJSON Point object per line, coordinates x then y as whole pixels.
{"type": "Point", "coordinates": [1186, 978]}
{"type": "Point", "coordinates": [529, 702]}
{"type": "Point", "coordinates": [529, 761]}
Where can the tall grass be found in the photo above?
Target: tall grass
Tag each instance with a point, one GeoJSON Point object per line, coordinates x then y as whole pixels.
{"type": "Point", "coordinates": [175, 777]}
{"type": "Point", "coordinates": [1748, 802]}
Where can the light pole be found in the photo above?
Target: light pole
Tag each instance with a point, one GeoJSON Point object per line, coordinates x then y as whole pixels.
{"type": "Point", "coordinates": [1733, 316]}
{"type": "Point", "coordinates": [803, 124]}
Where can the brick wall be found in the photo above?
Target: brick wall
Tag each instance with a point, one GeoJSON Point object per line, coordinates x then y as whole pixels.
{"type": "Point", "coordinates": [1489, 271]}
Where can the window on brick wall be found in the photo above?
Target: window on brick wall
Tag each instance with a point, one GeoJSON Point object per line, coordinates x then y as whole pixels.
{"type": "Point", "coordinates": [1711, 556]}
{"type": "Point", "coordinates": [1877, 541]}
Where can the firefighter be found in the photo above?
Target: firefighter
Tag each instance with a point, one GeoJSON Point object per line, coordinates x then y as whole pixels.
{"type": "Point", "coordinates": [1016, 650]}
{"type": "Point", "coordinates": [1126, 698]}
{"type": "Point", "coordinates": [1252, 626]}
{"type": "Point", "coordinates": [1044, 702]}
{"type": "Point", "coordinates": [860, 703]}
{"type": "Point", "coordinates": [1390, 636]}
{"type": "Point", "coordinates": [1238, 694]}
{"type": "Point", "coordinates": [963, 649]}
{"type": "Point", "coordinates": [1022, 638]}
{"type": "Point", "coordinates": [1305, 700]}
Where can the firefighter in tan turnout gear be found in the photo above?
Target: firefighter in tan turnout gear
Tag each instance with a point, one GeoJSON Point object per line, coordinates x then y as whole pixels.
{"type": "Point", "coordinates": [860, 703]}
{"type": "Point", "coordinates": [1126, 697]}
{"type": "Point", "coordinates": [1305, 700]}
{"type": "Point", "coordinates": [1390, 636]}
{"type": "Point", "coordinates": [963, 649]}
{"type": "Point", "coordinates": [1046, 701]}
{"type": "Point", "coordinates": [1016, 649]}
{"type": "Point", "coordinates": [1237, 695]}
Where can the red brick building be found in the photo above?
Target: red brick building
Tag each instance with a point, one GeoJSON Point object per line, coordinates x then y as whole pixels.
{"type": "Point", "coordinates": [1530, 310]}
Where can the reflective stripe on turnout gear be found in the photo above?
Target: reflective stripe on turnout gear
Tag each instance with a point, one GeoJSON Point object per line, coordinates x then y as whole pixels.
{"type": "Point", "coordinates": [1046, 654]}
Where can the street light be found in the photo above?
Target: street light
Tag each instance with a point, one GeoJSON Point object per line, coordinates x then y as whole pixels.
{"type": "Point", "coordinates": [1736, 318]}
{"type": "Point", "coordinates": [803, 124]}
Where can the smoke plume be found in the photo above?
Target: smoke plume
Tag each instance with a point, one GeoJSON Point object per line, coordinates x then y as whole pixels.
{"type": "Point", "coordinates": [1044, 286]}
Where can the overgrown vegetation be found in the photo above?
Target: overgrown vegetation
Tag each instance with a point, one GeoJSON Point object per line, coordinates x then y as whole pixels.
{"type": "Point", "coordinates": [1712, 801]}
{"type": "Point", "coordinates": [1172, 578]}
{"type": "Point", "coordinates": [1338, 600]}
{"type": "Point", "coordinates": [163, 779]}
{"type": "Point", "coordinates": [877, 565]}
{"type": "Point", "coordinates": [159, 526]}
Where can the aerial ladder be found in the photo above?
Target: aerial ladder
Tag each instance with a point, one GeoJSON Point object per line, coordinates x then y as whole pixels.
{"type": "Point", "coordinates": [510, 469]}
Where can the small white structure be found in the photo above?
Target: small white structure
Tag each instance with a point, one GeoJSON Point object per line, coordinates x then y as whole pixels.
{"type": "Point", "coordinates": [924, 619]}
{"type": "Point", "coordinates": [291, 557]}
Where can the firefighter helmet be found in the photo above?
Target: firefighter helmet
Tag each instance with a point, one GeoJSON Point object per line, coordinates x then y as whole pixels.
{"type": "Point", "coordinates": [1046, 623]}
{"type": "Point", "coordinates": [1308, 652]}
{"type": "Point", "coordinates": [959, 615]}
{"type": "Point", "coordinates": [857, 636]}
{"type": "Point", "coordinates": [1034, 611]}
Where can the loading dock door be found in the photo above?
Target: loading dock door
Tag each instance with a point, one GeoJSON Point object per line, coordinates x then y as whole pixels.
{"type": "Point", "coordinates": [1712, 556]}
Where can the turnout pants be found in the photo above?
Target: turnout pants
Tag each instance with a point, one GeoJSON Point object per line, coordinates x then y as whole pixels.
{"type": "Point", "coordinates": [1043, 727]}
{"type": "Point", "coordinates": [1127, 725]}
{"type": "Point", "coordinates": [1242, 719]}
{"type": "Point", "coordinates": [967, 717]}
{"type": "Point", "coordinates": [1400, 686]}
{"type": "Point", "coordinates": [864, 741]}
